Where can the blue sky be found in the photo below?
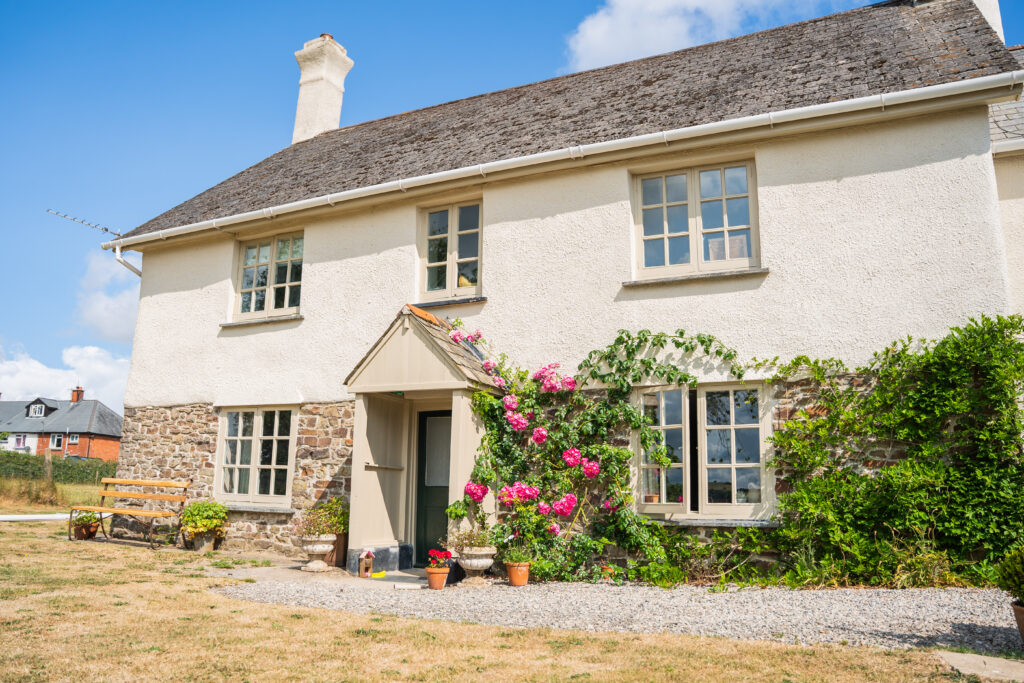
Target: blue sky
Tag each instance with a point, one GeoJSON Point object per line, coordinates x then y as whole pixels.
{"type": "Point", "coordinates": [116, 111]}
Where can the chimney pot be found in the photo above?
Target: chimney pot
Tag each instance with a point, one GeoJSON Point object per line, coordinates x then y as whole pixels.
{"type": "Point", "coordinates": [77, 394]}
{"type": "Point", "coordinates": [323, 65]}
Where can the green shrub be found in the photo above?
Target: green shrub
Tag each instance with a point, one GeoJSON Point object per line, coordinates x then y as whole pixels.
{"type": "Point", "coordinates": [337, 509]}
{"type": "Point", "coordinates": [1011, 573]}
{"type": "Point", "coordinates": [85, 518]}
{"type": "Point", "coordinates": [516, 554]}
{"type": "Point", "coordinates": [26, 466]}
{"type": "Point", "coordinates": [329, 518]}
{"type": "Point", "coordinates": [204, 516]}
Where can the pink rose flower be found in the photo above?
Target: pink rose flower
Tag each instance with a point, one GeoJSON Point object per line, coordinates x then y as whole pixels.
{"type": "Point", "coordinates": [591, 468]}
{"type": "Point", "coordinates": [476, 491]}
{"type": "Point", "coordinates": [517, 493]}
{"type": "Point", "coordinates": [456, 336]}
{"type": "Point", "coordinates": [564, 505]}
{"type": "Point", "coordinates": [540, 435]}
{"type": "Point", "coordinates": [543, 508]}
{"type": "Point", "coordinates": [489, 365]}
{"type": "Point", "coordinates": [571, 457]}
{"type": "Point", "coordinates": [568, 383]}
{"type": "Point", "coordinates": [550, 383]}
{"type": "Point", "coordinates": [511, 402]}
{"type": "Point", "coordinates": [554, 529]}
{"type": "Point", "coordinates": [499, 382]}
{"type": "Point", "coordinates": [545, 371]}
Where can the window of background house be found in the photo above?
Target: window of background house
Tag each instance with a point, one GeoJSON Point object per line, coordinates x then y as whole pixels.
{"type": "Point", "coordinates": [451, 246]}
{"type": "Point", "coordinates": [73, 439]}
{"type": "Point", "coordinates": [715, 440]}
{"type": "Point", "coordinates": [36, 410]}
{"type": "Point", "coordinates": [19, 440]}
{"type": "Point", "coordinates": [56, 441]}
{"type": "Point", "coordinates": [699, 219]}
{"type": "Point", "coordinates": [256, 457]}
{"type": "Point", "coordinates": [271, 278]}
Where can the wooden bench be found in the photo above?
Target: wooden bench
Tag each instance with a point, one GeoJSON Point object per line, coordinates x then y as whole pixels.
{"type": "Point", "coordinates": [145, 517]}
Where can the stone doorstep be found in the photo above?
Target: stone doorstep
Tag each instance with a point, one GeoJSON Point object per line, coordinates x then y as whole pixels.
{"type": "Point", "coordinates": [994, 668]}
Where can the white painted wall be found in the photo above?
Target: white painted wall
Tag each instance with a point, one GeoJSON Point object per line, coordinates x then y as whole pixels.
{"type": "Point", "coordinates": [1010, 177]}
{"type": "Point", "coordinates": [869, 233]}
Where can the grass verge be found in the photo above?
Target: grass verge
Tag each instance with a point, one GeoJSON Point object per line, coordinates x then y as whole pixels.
{"type": "Point", "coordinates": [23, 496]}
{"type": "Point", "coordinates": [74, 611]}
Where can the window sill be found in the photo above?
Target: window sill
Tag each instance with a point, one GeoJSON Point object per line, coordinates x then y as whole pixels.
{"type": "Point", "coordinates": [262, 321]}
{"type": "Point", "coordinates": [722, 523]}
{"type": "Point", "coordinates": [453, 302]}
{"type": "Point", "coordinates": [243, 507]}
{"type": "Point", "coordinates": [679, 279]}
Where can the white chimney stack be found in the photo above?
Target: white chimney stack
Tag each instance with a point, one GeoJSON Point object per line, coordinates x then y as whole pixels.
{"type": "Point", "coordinates": [324, 65]}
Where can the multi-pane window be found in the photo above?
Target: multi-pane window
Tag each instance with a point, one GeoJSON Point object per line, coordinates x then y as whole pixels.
{"type": "Point", "coordinates": [73, 439]}
{"type": "Point", "coordinates": [697, 219]}
{"type": "Point", "coordinates": [19, 440]}
{"type": "Point", "coordinates": [271, 278]}
{"type": "Point", "coordinates": [453, 251]}
{"type": "Point", "coordinates": [36, 410]}
{"type": "Point", "coordinates": [714, 441]}
{"type": "Point", "coordinates": [56, 441]}
{"type": "Point", "coordinates": [255, 461]}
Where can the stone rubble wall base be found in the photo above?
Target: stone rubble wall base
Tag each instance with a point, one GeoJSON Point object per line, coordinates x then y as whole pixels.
{"type": "Point", "coordinates": [180, 442]}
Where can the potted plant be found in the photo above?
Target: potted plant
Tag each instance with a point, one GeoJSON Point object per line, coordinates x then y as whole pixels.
{"type": "Point", "coordinates": [517, 565]}
{"type": "Point", "coordinates": [474, 548]}
{"type": "Point", "coordinates": [437, 568]}
{"type": "Point", "coordinates": [1010, 573]}
{"type": "Point", "coordinates": [338, 510]}
{"type": "Point", "coordinates": [85, 524]}
{"type": "Point", "coordinates": [319, 532]}
{"type": "Point", "coordinates": [203, 522]}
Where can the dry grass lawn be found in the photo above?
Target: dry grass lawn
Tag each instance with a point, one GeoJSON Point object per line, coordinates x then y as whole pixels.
{"type": "Point", "coordinates": [24, 496]}
{"type": "Point", "coordinates": [94, 611]}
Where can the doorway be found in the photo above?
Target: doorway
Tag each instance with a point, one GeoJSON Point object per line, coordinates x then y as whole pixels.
{"type": "Point", "coordinates": [434, 441]}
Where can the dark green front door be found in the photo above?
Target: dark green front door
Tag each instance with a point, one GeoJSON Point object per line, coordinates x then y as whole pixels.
{"type": "Point", "coordinates": [434, 459]}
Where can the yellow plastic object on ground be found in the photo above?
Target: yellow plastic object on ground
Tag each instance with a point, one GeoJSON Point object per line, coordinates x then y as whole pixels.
{"type": "Point", "coordinates": [378, 575]}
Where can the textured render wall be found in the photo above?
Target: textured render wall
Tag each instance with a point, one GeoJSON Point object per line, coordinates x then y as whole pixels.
{"type": "Point", "coordinates": [1010, 176]}
{"type": "Point", "coordinates": [869, 233]}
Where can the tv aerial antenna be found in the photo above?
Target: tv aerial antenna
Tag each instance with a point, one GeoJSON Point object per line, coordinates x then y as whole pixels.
{"type": "Point", "coordinates": [79, 220]}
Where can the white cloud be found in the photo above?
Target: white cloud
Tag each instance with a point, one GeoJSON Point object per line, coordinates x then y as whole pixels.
{"type": "Point", "coordinates": [621, 30]}
{"type": "Point", "coordinates": [102, 374]}
{"type": "Point", "coordinates": [108, 298]}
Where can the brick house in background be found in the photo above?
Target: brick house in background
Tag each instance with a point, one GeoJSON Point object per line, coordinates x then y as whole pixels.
{"type": "Point", "coordinates": [79, 427]}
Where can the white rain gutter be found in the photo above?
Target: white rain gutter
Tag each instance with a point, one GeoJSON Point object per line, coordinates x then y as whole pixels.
{"type": "Point", "coordinates": [1008, 80]}
{"type": "Point", "coordinates": [120, 259]}
{"type": "Point", "coordinates": [1008, 146]}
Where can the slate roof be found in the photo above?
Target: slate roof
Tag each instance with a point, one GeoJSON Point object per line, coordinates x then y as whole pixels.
{"type": "Point", "coordinates": [881, 48]}
{"type": "Point", "coordinates": [1006, 119]}
{"type": "Point", "coordinates": [85, 417]}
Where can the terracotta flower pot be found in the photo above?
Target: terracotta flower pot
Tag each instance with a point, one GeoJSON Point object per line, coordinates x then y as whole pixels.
{"type": "Point", "coordinates": [1018, 611]}
{"type": "Point", "coordinates": [83, 532]}
{"type": "Point", "coordinates": [518, 573]}
{"type": "Point", "coordinates": [436, 577]}
{"type": "Point", "coordinates": [652, 497]}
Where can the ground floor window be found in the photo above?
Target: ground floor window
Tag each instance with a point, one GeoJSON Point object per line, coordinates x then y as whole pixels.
{"type": "Point", "coordinates": [256, 455]}
{"type": "Point", "coordinates": [56, 441]}
{"type": "Point", "coordinates": [19, 440]}
{"type": "Point", "coordinates": [715, 437]}
{"type": "Point", "coordinates": [73, 439]}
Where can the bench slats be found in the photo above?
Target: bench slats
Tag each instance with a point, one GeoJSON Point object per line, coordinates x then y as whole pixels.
{"type": "Point", "coordinates": [111, 493]}
{"type": "Point", "coordinates": [125, 511]}
{"type": "Point", "coordinates": [145, 482]}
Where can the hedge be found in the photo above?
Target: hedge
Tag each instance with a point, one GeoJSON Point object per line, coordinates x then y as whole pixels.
{"type": "Point", "coordinates": [26, 466]}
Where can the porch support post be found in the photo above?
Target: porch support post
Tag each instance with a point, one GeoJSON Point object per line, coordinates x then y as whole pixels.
{"type": "Point", "coordinates": [467, 433]}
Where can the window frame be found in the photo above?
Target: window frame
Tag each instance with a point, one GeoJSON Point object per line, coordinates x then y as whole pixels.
{"type": "Point", "coordinates": [695, 222]}
{"type": "Point", "coordinates": [37, 410]}
{"type": "Point", "coordinates": [56, 441]}
{"type": "Point", "coordinates": [20, 440]}
{"type": "Point", "coordinates": [254, 498]}
{"type": "Point", "coordinates": [705, 509]}
{"type": "Point", "coordinates": [72, 439]}
{"type": "Point", "coordinates": [269, 311]}
{"type": "Point", "coordinates": [452, 260]}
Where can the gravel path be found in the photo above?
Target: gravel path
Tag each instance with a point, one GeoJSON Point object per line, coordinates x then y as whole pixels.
{"type": "Point", "coordinates": [974, 618]}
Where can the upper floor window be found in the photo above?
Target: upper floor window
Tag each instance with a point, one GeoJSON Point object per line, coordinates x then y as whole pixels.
{"type": "Point", "coordinates": [715, 438]}
{"type": "Point", "coordinates": [255, 459]}
{"type": "Point", "coordinates": [700, 219]}
{"type": "Point", "coordinates": [36, 410]}
{"type": "Point", "coordinates": [270, 282]}
{"type": "Point", "coordinates": [450, 243]}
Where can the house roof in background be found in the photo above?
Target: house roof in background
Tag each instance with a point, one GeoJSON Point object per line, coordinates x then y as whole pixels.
{"type": "Point", "coordinates": [883, 48]}
{"type": "Point", "coordinates": [85, 417]}
{"type": "Point", "coordinates": [1006, 119]}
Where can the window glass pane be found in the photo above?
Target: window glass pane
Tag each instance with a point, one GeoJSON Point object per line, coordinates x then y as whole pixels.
{"type": "Point", "coordinates": [650, 189]}
{"type": "Point", "coordinates": [280, 273]}
{"type": "Point", "coordinates": [231, 452]}
{"type": "Point", "coordinates": [247, 424]}
{"type": "Point", "coordinates": [711, 215]}
{"type": "Point", "coordinates": [437, 250]}
{"type": "Point", "coordinates": [261, 277]}
{"type": "Point", "coordinates": [736, 180]}
{"type": "Point", "coordinates": [248, 277]}
{"type": "Point", "coordinates": [678, 250]}
{"type": "Point", "coordinates": [719, 485]}
{"type": "Point", "coordinates": [246, 302]}
{"type": "Point", "coordinates": [264, 488]}
{"type": "Point", "coordinates": [651, 484]}
{"type": "Point", "coordinates": [294, 293]}
{"type": "Point", "coordinates": [468, 245]}
{"type": "Point", "coordinates": [714, 246]}
{"type": "Point", "coordinates": [744, 402]}
{"type": "Point", "coordinates": [250, 255]}
{"type": "Point", "coordinates": [259, 300]}
{"type": "Point", "coordinates": [738, 210]}
{"type": "Point", "coordinates": [282, 452]}
{"type": "Point", "coordinates": [266, 452]}
{"type": "Point", "coordinates": [651, 407]}
{"type": "Point", "coordinates": [675, 188]}
{"type": "Point", "coordinates": [654, 222]}
{"type": "Point", "coordinates": [748, 485]}
{"type": "Point", "coordinates": [229, 480]}
{"type": "Point", "coordinates": [674, 443]}
{"type": "Point", "coordinates": [245, 454]}
{"type": "Point", "coordinates": [232, 424]}
{"type": "Point", "coordinates": [469, 217]}
{"type": "Point", "coordinates": [264, 252]}
{"type": "Point", "coordinates": [717, 406]}
{"type": "Point", "coordinates": [719, 451]}
{"type": "Point", "coordinates": [268, 423]}
{"type": "Point", "coordinates": [739, 244]}
{"type": "Point", "coordinates": [673, 407]}
{"type": "Point", "coordinates": [710, 184]}
{"type": "Point", "coordinates": [280, 482]}
{"type": "Point", "coordinates": [678, 218]}
{"type": "Point", "coordinates": [243, 481]}
{"type": "Point", "coordinates": [297, 247]}
{"type": "Point", "coordinates": [437, 223]}
{"type": "Point", "coordinates": [468, 273]}
{"type": "Point", "coordinates": [654, 253]}
{"type": "Point", "coordinates": [437, 278]}
{"type": "Point", "coordinates": [674, 485]}
{"type": "Point", "coordinates": [284, 422]}
{"type": "Point", "coordinates": [279, 295]}
{"type": "Point", "coordinates": [283, 249]}
{"type": "Point", "coordinates": [748, 446]}
{"type": "Point", "coordinates": [296, 274]}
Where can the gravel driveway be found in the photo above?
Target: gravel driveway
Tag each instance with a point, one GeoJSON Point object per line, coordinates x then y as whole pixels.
{"type": "Point", "coordinates": [979, 619]}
